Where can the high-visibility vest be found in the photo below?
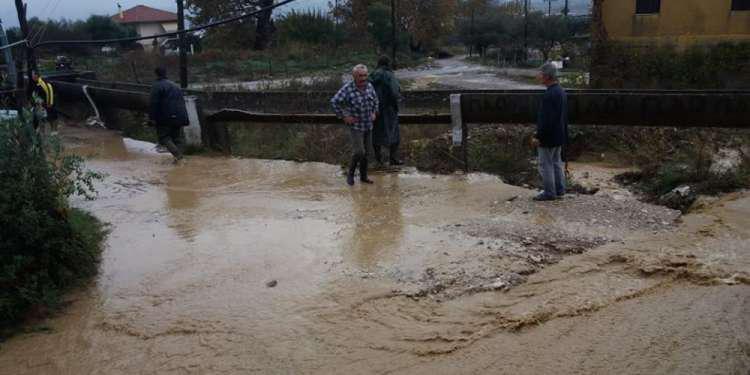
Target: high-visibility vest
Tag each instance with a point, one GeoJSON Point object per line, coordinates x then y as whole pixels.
{"type": "Point", "coordinates": [49, 92]}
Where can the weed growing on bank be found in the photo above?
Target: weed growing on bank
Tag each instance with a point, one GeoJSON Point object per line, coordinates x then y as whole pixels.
{"type": "Point", "coordinates": [47, 247]}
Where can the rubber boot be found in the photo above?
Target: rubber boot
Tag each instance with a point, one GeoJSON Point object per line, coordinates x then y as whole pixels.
{"type": "Point", "coordinates": [363, 171]}
{"type": "Point", "coordinates": [352, 168]}
{"type": "Point", "coordinates": [378, 156]}
{"type": "Point", "coordinates": [394, 155]}
{"type": "Point", "coordinates": [173, 149]}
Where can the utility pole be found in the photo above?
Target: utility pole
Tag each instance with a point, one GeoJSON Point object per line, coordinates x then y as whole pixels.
{"type": "Point", "coordinates": [30, 57]}
{"type": "Point", "coordinates": [336, 23]}
{"type": "Point", "coordinates": [525, 31]}
{"type": "Point", "coordinates": [183, 44]}
{"type": "Point", "coordinates": [393, 35]}
{"type": "Point", "coordinates": [566, 10]}
{"type": "Point", "coordinates": [549, 11]}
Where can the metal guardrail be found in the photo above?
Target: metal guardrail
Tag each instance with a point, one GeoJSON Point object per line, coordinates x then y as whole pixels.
{"type": "Point", "coordinates": [728, 109]}
{"type": "Point", "coordinates": [690, 108]}
{"type": "Point", "coordinates": [308, 118]}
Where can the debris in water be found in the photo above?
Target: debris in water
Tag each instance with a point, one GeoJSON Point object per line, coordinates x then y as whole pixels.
{"type": "Point", "coordinates": [272, 283]}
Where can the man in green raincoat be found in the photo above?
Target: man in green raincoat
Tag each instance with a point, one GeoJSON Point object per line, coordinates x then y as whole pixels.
{"type": "Point", "coordinates": [385, 132]}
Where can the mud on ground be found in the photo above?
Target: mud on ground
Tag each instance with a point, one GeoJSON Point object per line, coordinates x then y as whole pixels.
{"type": "Point", "coordinates": [233, 266]}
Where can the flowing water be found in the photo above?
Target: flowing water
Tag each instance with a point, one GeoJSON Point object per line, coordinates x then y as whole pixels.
{"type": "Point", "coordinates": [236, 266]}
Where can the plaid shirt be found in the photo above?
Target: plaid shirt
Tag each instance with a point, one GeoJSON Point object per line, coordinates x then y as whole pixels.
{"type": "Point", "coordinates": [361, 105]}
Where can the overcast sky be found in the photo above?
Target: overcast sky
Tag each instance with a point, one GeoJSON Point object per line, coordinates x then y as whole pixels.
{"type": "Point", "coordinates": [81, 9]}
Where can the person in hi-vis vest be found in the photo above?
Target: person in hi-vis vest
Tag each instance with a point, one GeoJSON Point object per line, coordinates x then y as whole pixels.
{"type": "Point", "coordinates": [43, 98]}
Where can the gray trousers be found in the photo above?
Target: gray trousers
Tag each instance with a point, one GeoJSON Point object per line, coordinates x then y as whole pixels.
{"type": "Point", "coordinates": [552, 170]}
{"type": "Point", "coordinates": [361, 143]}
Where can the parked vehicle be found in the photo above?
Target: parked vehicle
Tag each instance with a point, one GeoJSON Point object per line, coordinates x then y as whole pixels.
{"type": "Point", "coordinates": [63, 63]}
{"type": "Point", "coordinates": [109, 50]}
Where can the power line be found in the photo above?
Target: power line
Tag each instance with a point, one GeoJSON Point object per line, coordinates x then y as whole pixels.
{"type": "Point", "coordinates": [170, 34]}
{"type": "Point", "coordinates": [32, 32]}
{"type": "Point", "coordinates": [43, 29]}
{"type": "Point", "coordinates": [14, 44]}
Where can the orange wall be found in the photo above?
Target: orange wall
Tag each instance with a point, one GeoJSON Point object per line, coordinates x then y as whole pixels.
{"type": "Point", "coordinates": [679, 22]}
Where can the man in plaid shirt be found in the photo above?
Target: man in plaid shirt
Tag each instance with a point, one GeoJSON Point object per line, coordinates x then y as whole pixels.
{"type": "Point", "coordinates": [357, 104]}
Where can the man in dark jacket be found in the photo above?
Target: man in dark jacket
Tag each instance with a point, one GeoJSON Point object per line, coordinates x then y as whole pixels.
{"type": "Point", "coordinates": [551, 135]}
{"type": "Point", "coordinates": [168, 112]}
{"type": "Point", "coordinates": [385, 131]}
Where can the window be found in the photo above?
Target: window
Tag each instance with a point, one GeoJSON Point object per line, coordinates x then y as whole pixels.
{"type": "Point", "coordinates": [647, 6]}
{"type": "Point", "coordinates": [740, 4]}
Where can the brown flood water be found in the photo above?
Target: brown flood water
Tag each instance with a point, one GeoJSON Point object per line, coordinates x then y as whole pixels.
{"type": "Point", "coordinates": [417, 274]}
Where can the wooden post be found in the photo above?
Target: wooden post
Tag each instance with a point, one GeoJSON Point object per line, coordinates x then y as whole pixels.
{"type": "Point", "coordinates": [183, 46]}
{"type": "Point", "coordinates": [22, 22]}
{"type": "Point", "coordinates": [393, 34]}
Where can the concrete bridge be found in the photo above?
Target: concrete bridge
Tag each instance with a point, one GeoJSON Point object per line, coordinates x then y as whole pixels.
{"type": "Point", "coordinates": [689, 108]}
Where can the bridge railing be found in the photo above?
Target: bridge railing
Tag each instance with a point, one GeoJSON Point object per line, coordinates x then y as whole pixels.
{"type": "Point", "coordinates": [664, 108]}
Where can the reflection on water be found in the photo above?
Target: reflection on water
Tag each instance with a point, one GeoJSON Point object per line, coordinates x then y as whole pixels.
{"type": "Point", "coordinates": [378, 221]}
{"type": "Point", "coordinates": [182, 196]}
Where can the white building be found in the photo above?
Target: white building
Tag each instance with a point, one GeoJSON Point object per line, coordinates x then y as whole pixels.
{"type": "Point", "coordinates": [148, 21]}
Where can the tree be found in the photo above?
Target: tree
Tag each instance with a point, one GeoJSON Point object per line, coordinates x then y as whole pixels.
{"type": "Point", "coordinates": [483, 25]}
{"type": "Point", "coordinates": [311, 27]}
{"type": "Point", "coordinates": [95, 27]}
{"type": "Point", "coordinates": [257, 31]}
{"type": "Point", "coordinates": [426, 21]}
{"type": "Point", "coordinates": [547, 32]}
{"type": "Point", "coordinates": [265, 27]}
{"type": "Point", "coordinates": [102, 27]}
{"type": "Point", "coordinates": [379, 24]}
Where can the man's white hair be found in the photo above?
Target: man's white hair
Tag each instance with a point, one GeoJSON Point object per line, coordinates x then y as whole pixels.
{"type": "Point", "coordinates": [549, 70]}
{"type": "Point", "coordinates": [359, 68]}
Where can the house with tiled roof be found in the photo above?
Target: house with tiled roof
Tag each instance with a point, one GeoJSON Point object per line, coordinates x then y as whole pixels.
{"type": "Point", "coordinates": [147, 21]}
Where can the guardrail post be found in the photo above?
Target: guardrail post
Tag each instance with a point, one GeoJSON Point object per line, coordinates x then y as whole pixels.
{"type": "Point", "coordinates": [193, 130]}
{"type": "Point", "coordinates": [460, 129]}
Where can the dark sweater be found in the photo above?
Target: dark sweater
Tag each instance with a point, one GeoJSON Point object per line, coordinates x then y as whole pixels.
{"type": "Point", "coordinates": [552, 122]}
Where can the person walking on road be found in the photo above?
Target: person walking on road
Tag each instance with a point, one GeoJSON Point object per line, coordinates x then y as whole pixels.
{"type": "Point", "coordinates": [385, 131]}
{"type": "Point", "coordinates": [356, 103]}
{"type": "Point", "coordinates": [551, 134]}
{"type": "Point", "coordinates": [168, 113]}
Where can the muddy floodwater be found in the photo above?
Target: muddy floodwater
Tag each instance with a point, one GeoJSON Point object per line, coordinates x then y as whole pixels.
{"type": "Point", "coordinates": [237, 266]}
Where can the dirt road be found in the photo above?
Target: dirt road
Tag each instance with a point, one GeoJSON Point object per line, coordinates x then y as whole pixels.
{"type": "Point", "coordinates": [237, 266]}
{"type": "Point", "coordinates": [458, 73]}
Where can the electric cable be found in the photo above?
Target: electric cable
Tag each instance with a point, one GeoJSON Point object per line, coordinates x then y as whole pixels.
{"type": "Point", "coordinates": [169, 34]}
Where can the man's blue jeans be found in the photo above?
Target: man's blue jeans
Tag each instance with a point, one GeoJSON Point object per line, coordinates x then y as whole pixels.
{"type": "Point", "coordinates": [552, 170]}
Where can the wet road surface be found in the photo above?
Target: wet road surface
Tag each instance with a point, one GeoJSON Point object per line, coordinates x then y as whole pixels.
{"type": "Point", "coordinates": [416, 274]}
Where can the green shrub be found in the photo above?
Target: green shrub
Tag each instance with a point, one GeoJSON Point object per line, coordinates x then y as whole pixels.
{"type": "Point", "coordinates": [46, 247]}
{"type": "Point", "coordinates": [720, 66]}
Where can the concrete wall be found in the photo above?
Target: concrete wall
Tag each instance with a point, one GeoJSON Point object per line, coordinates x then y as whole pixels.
{"type": "Point", "coordinates": [679, 22]}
